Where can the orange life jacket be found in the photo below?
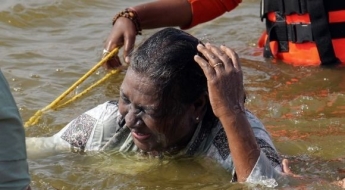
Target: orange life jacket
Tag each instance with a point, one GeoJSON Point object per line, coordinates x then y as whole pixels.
{"type": "Point", "coordinates": [304, 32]}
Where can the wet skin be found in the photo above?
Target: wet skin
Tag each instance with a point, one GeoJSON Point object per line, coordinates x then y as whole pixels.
{"type": "Point", "coordinates": [151, 130]}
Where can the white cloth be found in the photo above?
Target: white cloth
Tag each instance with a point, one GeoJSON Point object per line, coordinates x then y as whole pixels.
{"type": "Point", "coordinates": [100, 129]}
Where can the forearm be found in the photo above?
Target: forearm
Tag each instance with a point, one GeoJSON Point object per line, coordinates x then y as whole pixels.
{"type": "Point", "coordinates": [243, 147]}
{"type": "Point", "coordinates": [43, 146]}
{"type": "Point", "coordinates": [164, 13]}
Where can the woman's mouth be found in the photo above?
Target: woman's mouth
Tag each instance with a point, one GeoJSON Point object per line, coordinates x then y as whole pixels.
{"type": "Point", "coordinates": [140, 136]}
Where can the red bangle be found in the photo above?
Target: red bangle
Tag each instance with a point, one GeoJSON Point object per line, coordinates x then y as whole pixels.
{"type": "Point", "coordinates": [131, 15]}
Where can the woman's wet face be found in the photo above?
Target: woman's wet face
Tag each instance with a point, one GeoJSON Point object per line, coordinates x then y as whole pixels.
{"type": "Point", "coordinates": [151, 129]}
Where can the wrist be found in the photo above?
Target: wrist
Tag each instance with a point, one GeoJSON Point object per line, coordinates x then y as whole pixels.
{"type": "Point", "coordinates": [232, 116]}
{"type": "Point", "coordinates": [132, 16]}
{"type": "Point", "coordinates": [229, 111]}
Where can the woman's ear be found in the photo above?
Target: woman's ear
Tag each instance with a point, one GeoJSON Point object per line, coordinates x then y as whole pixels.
{"type": "Point", "coordinates": [200, 106]}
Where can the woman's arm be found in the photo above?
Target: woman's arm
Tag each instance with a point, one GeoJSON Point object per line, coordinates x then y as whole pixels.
{"type": "Point", "coordinates": [87, 132]}
{"type": "Point", "coordinates": [226, 92]}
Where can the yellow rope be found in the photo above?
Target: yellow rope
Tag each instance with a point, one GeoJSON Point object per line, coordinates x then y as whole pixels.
{"type": "Point", "coordinates": [110, 73]}
{"type": "Point", "coordinates": [34, 119]}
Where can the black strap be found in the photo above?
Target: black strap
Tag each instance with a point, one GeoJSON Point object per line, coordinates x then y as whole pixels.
{"type": "Point", "coordinates": [279, 30]}
{"type": "Point", "coordinates": [320, 30]}
{"type": "Point", "coordinates": [267, 52]}
{"type": "Point", "coordinates": [296, 6]}
{"type": "Point", "coordinates": [274, 33]}
{"type": "Point", "coordinates": [334, 5]}
{"type": "Point", "coordinates": [337, 30]}
{"type": "Point", "coordinates": [299, 33]}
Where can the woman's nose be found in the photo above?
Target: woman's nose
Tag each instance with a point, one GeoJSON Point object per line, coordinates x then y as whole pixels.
{"type": "Point", "coordinates": [132, 118]}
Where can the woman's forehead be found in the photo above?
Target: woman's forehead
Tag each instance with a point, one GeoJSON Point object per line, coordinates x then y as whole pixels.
{"type": "Point", "coordinates": [137, 80]}
{"type": "Point", "coordinates": [139, 84]}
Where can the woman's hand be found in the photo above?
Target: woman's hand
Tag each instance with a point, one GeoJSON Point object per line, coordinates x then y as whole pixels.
{"type": "Point", "coordinates": [225, 80]}
{"type": "Point", "coordinates": [340, 183]}
{"type": "Point", "coordinates": [287, 171]}
{"type": "Point", "coordinates": [226, 93]}
{"type": "Point", "coordinates": [123, 34]}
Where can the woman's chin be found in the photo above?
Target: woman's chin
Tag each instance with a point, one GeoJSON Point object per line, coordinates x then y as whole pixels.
{"type": "Point", "coordinates": [146, 147]}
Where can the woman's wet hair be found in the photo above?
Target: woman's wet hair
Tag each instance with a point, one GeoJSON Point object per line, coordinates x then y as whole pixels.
{"type": "Point", "coordinates": [167, 58]}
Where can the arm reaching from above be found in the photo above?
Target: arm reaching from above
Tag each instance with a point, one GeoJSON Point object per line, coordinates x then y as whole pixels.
{"type": "Point", "coordinates": [158, 14]}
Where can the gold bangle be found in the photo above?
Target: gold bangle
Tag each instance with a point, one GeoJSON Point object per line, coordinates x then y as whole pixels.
{"type": "Point", "coordinates": [131, 15]}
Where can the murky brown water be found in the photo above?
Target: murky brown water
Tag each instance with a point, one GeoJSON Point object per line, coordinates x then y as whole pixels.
{"type": "Point", "coordinates": [47, 45]}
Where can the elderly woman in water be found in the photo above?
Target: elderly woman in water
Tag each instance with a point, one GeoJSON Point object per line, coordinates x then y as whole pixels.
{"type": "Point", "coordinates": [178, 98]}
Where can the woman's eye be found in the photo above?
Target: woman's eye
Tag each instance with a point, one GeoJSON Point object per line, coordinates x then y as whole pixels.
{"type": "Point", "coordinates": [125, 99]}
{"type": "Point", "coordinates": [142, 110]}
{"type": "Point", "coordinates": [152, 113]}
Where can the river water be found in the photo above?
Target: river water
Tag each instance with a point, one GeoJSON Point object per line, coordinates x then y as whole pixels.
{"type": "Point", "coordinates": [47, 45]}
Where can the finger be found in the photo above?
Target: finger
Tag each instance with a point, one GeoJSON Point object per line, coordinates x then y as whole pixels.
{"type": "Point", "coordinates": [208, 54]}
{"type": "Point", "coordinates": [222, 60]}
{"type": "Point", "coordinates": [286, 167]}
{"type": "Point", "coordinates": [212, 58]}
{"type": "Point", "coordinates": [233, 56]}
{"type": "Point", "coordinates": [128, 46]}
{"type": "Point", "coordinates": [204, 64]}
{"type": "Point", "coordinates": [111, 42]}
{"type": "Point", "coordinates": [113, 62]}
{"type": "Point", "coordinates": [107, 64]}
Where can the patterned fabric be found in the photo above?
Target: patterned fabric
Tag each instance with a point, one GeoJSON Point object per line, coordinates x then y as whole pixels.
{"type": "Point", "coordinates": [201, 136]}
{"type": "Point", "coordinates": [271, 154]}
{"type": "Point", "coordinates": [221, 143]}
{"type": "Point", "coordinates": [79, 131]}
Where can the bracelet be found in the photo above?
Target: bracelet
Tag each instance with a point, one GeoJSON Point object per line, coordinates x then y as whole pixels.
{"type": "Point", "coordinates": [131, 15]}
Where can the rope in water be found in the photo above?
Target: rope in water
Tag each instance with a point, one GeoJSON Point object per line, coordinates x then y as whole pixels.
{"type": "Point", "coordinates": [54, 104]}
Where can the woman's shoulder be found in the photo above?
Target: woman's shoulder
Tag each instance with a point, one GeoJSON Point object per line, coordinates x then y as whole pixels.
{"type": "Point", "coordinates": [105, 109]}
{"type": "Point", "coordinates": [86, 130]}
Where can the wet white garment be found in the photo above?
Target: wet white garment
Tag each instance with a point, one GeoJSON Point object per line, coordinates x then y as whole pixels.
{"type": "Point", "coordinates": [101, 128]}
